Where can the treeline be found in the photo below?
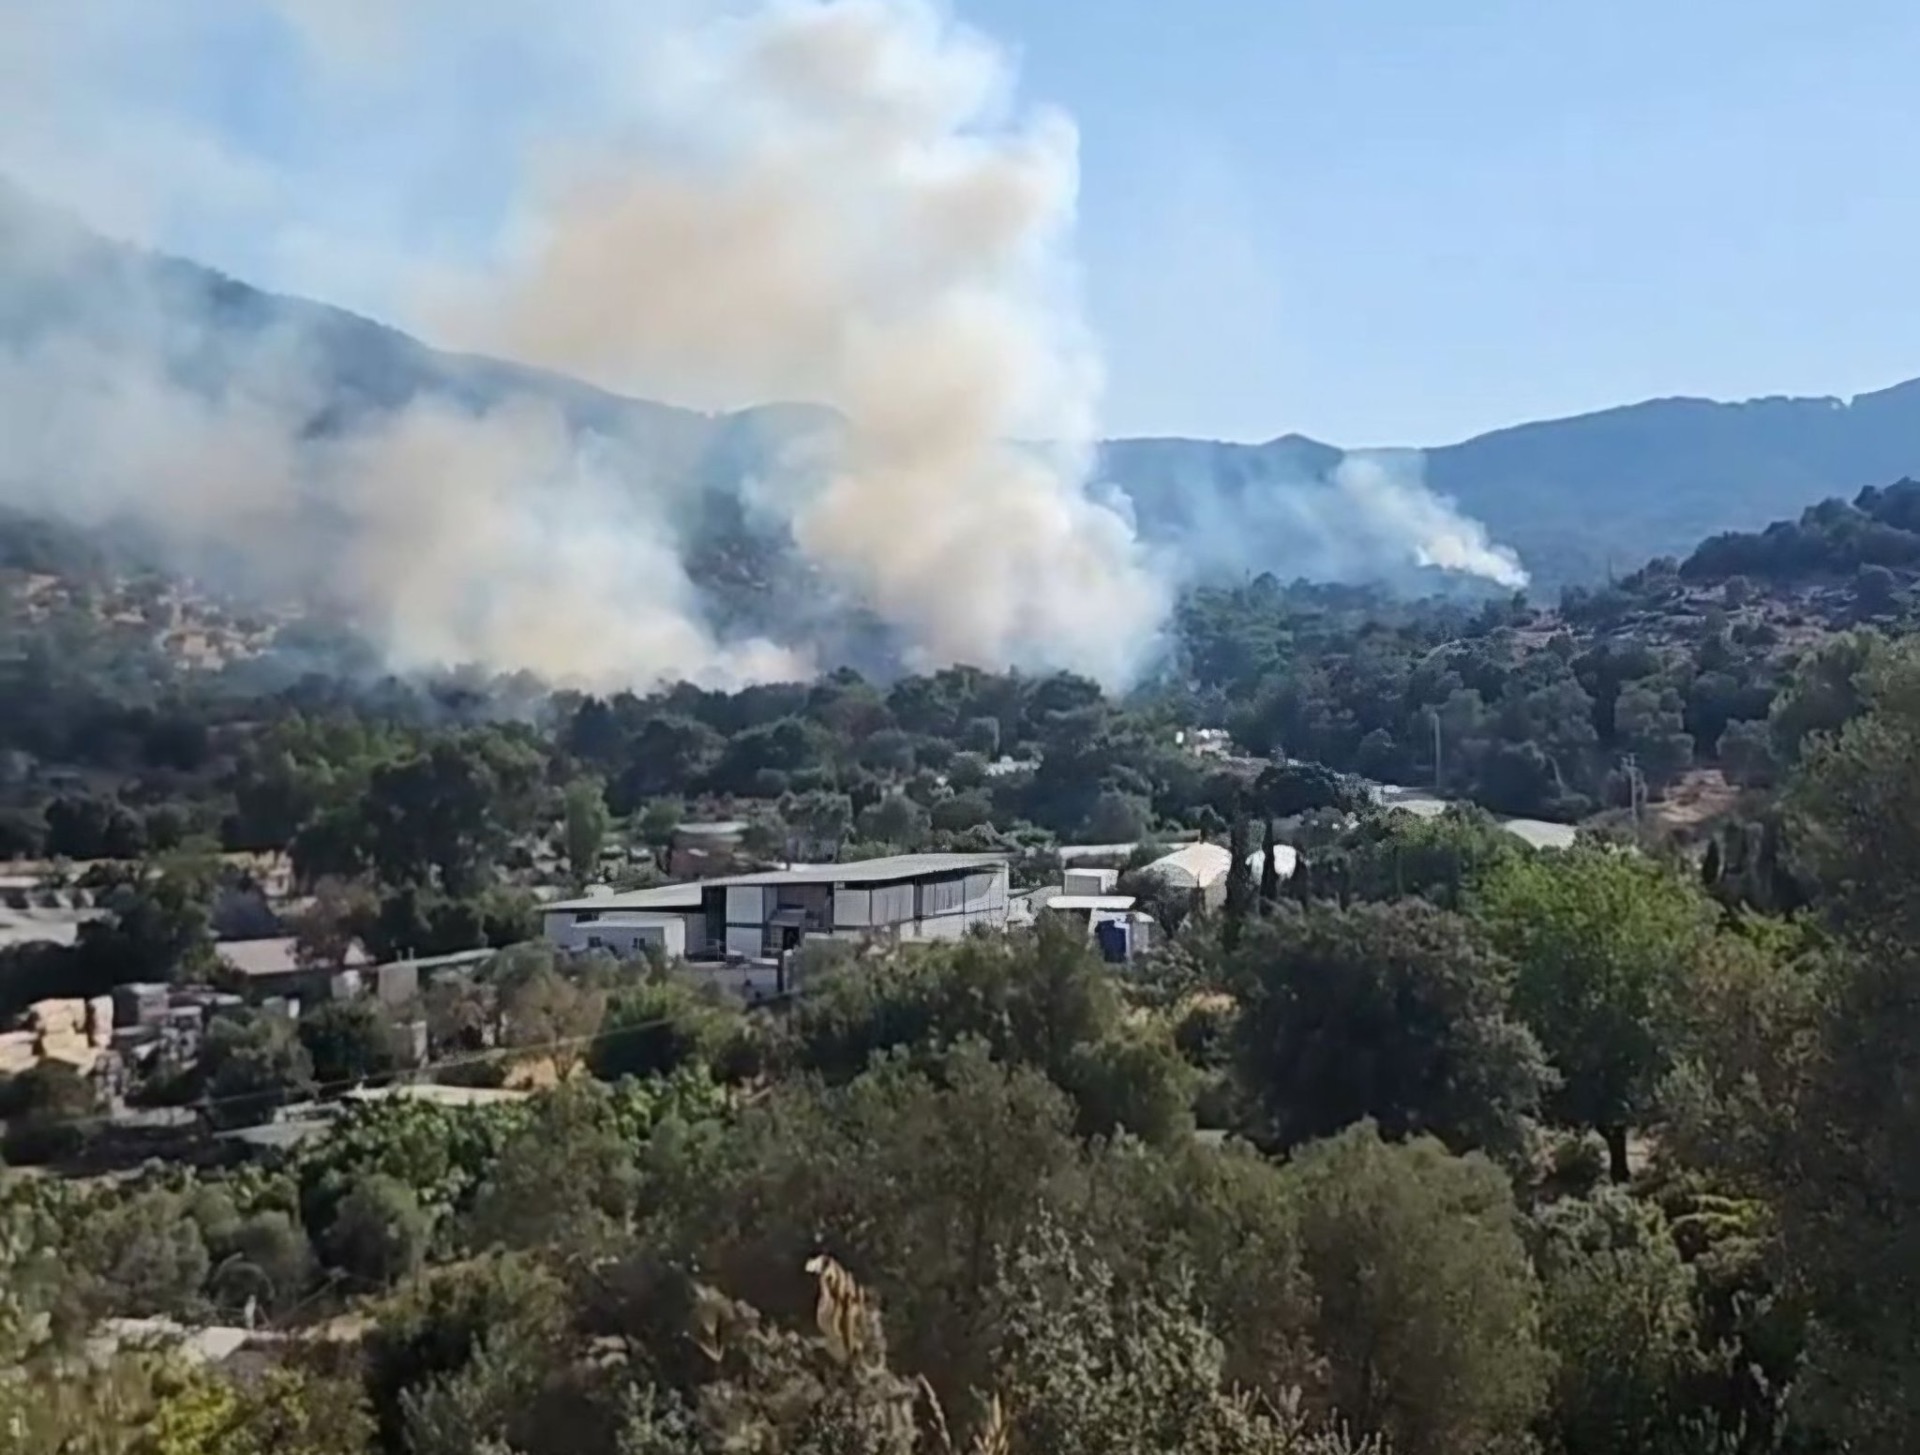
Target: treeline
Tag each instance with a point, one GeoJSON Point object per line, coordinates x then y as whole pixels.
{"type": "Point", "coordinates": [1875, 536]}
{"type": "Point", "coordinates": [1528, 717]}
{"type": "Point", "coordinates": [110, 748]}
{"type": "Point", "coordinates": [1442, 1146]}
{"type": "Point", "coordinates": [1515, 709]}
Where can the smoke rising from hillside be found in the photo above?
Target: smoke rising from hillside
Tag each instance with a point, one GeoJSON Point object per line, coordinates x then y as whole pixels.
{"type": "Point", "coordinates": [1392, 507]}
{"type": "Point", "coordinates": [830, 202]}
{"type": "Point", "coordinates": [837, 207]}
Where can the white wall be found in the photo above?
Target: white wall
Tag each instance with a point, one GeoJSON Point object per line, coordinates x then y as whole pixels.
{"type": "Point", "coordinates": [852, 909]}
{"type": "Point", "coordinates": [746, 906]}
{"type": "Point", "coordinates": [948, 927]}
{"type": "Point", "coordinates": [627, 940]}
{"type": "Point", "coordinates": [1089, 881]}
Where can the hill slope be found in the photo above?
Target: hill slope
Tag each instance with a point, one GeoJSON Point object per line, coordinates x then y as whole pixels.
{"type": "Point", "coordinates": [1575, 497]}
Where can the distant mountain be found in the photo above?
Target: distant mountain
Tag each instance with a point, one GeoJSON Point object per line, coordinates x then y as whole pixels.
{"type": "Point", "coordinates": [1574, 497]}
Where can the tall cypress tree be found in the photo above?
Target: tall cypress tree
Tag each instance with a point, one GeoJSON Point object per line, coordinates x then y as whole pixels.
{"type": "Point", "coordinates": [1240, 887]}
{"type": "Point", "coordinates": [1270, 870]}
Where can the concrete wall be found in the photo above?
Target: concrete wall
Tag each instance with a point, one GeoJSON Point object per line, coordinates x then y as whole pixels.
{"type": "Point", "coordinates": [398, 983]}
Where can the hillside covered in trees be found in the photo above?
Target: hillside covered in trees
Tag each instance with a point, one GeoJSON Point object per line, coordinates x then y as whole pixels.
{"type": "Point", "coordinates": [1440, 1144]}
{"type": "Point", "coordinates": [141, 713]}
{"type": "Point", "coordinates": [1450, 1145]}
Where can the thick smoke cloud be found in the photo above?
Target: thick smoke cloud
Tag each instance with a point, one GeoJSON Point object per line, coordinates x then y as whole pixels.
{"type": "Point", "coordinates": [836, 203]}
{"type": "Point", "coordinates": [828, 201]}
{"type": "Point", "coordinates": [453, 535]}
{"type": "Point", "coordinates": [837, 207]}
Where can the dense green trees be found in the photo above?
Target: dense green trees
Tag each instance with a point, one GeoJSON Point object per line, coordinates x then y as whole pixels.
{"type": "Point", "coordinates": [250, 1064]}
{"type": "Point", "coordinates": [1427, 1307]}
{"type": "Point", "coordinates": [587, 822]}
{"type": "Point", "coordinates": [1413, 1216]}
{"type": "Point", "coordinates": [1602, 943]}
{"type": "Point", "coordinates": [350, 1041]}
{"type": "Point", "coordinates": [1393, 1013]}
{"type": "Point", "coordinates": [608, 1264]}
{"type": "Point", "coordinates": [1838, 1169]}
{"type": "Point", "coordinates": [1834, 538]}
{"type": "Point", "coordinates": [1619, 1319]}
{"type": "Point", "coordinates": [1520, 708]}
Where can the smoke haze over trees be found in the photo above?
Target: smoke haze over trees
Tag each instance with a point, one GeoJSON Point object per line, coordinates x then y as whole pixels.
{"type": "Point", "coordinates": [838, 205]}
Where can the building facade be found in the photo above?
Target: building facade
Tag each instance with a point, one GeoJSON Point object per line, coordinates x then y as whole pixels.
{"type": "Point", "coordinates": [763, 916]}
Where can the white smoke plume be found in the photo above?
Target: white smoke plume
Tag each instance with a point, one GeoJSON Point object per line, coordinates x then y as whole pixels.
{"type": "Point", "coordinates": [833, 202]}
{"type": "Point", "coordinates": [492, 537]}
{"type": "Point", "coordinates": [1296, 508]}
{"type": "Point", "coordinates": [1392, 506]}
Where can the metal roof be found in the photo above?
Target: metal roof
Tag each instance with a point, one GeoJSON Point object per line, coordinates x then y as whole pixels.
{"type": "Point", "coordinates": [258, 959]}
{"type": "Point", "coordinates": [281, 1136]}
{"type": "Point", "coordinates": [891, 869]}
{"type": "Point", "coordinates": [662, 897]}
{"type": "Point", "coordinates": [1114, 903]}
{"type": "Point", "coordinates": [450, 961]}
{"type": "Point", "coordinates": [1540, 833]}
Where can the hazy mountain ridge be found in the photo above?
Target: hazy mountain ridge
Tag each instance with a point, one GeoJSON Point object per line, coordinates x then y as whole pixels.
{"type": "Point", "coordinates": [1578, 496]}
{"type": "Point", "coordinates": [1575, 497]}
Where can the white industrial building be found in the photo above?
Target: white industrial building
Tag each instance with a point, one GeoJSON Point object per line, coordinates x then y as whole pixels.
{"type": "Point", "coordinates": [759, 916]}
{"type": "Point", "coordinates": [1091, 897]}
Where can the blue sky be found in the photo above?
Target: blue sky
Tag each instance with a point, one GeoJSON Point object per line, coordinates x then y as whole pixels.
{"type": "Point", "coordinates": [1391, 222]}
{"type": "Point", "coordinates": [1405, 222]}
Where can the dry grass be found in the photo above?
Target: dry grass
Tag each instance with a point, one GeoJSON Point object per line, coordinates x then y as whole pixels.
{"type": "Point", "coordinates": [846, 1320]}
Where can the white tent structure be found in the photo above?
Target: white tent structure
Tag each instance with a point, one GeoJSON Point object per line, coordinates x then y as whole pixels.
{"type": "Point", "coordinates": [1202, 868]}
